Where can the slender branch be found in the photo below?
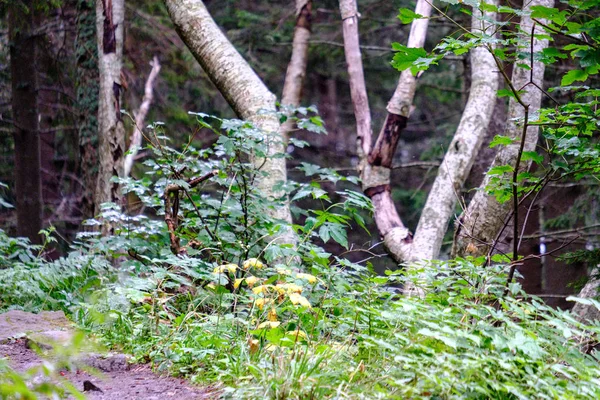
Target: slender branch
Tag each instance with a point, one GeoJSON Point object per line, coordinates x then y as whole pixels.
{"type": "Point", "coordinates": [140, 116]}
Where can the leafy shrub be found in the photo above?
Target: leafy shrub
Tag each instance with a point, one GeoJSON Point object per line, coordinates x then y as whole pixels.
{"type": "Point", "coordinates": [262, 319]}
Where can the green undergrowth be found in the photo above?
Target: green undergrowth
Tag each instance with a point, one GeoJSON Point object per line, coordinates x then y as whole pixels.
{"type": "Point", "coordinates": [335, 331]}
{"type": "Point", "coordinates": [216, 298]}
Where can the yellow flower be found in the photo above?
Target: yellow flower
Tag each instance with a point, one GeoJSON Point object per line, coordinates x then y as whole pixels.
{"type": "Point", "coordinates": [271, 347]}
{"type": "Point", "coordinates": [296, 299]}
{"type": "Point", "coordinates": [272, 315]}
{"type": "Point", "coordinates": [261, 289]}
{"type": "Point", "coordinates": [260, 303]}
{"type": "Point", "coordinates": [251, 280]}
{"type": "Point", "coordinates": [310, 278]}
{"type": "Point", "coordinates": [283, 271]}
{"type": "Point", "coordinates": [253, 262]}
{"type": "Point", "coordinates": [289, 288]}
{"type": "Point", "coordinates": [226, 267]}
{"type": "Point", "coordinates": [297, 334]}
{"type": "Point", "coordinates": [269, 324]}
{"type": "Point", "coordinates": [237, 283]}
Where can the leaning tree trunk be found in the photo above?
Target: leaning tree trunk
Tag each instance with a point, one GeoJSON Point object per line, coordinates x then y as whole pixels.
{"type": "Point", "coordinates": [463, 149]}
{"type": "Point", "coordinates": [86, 52]}
{"type": "Point", "coordinates": [111, 134]}
{"type": "Point", "coordinates": [296, 70]}
{"type": "Point", "coordinates": [242, 88]}
{"type": "Point", "coordinates": [23, 22]}
{"type": "Point", "coordinates": [479, 226]}
{"type": "Point", "coordinates": [376, 163]}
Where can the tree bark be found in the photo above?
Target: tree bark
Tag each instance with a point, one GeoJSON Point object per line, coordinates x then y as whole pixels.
{"type": "Point", "coordinates": [584, 312]}
{"type": "Point", "coordinates": [87, 89]}
{"type": "Point", "coordinates": [296, 70]}
{"type": "Point", "coordinates": [463, 149]}
{"type": "Point", "coordinates": [478, 227]}
{"type": "Point", "coordinates": [111, 134]}
{"type": "Point", "coordinates": [23, 22]}
{"type": "Point", "coordinates": [241, 87]}
{"type": "Point", "coordinates": [376, 164]}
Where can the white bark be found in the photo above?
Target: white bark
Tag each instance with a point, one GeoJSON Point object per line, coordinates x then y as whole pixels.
{"type": "Point", "coordinates": [484, 218]}
{"type": "Point", "coordinates": [463, 149]}
{"type": "Point", "coordinates": [241, 87]}
{"type": "Point", "coordinates": [403, 96]}
{"type": "Point", "coordinates": [296, 70]}
{"type": "Point", "coordinates": [140, 117]}
{"type": "Point", "coordinates": [583, 312]}
{"type": "Point", "coordinates": [111, 139]}
{"type": "Point", "coordinates": [358, 89]}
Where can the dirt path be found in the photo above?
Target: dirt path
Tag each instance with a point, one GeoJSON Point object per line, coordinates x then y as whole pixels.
{"type": "Point", "coordinates": [117, 379]}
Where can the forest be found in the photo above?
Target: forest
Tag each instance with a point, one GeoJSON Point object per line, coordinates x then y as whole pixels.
{"type": "Point", "coordinates": [307, 199]}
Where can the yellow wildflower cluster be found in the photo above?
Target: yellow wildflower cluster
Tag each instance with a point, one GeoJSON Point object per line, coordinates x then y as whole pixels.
{"type": "Point", "coordinates": [310, 278]}
{"type": "Point", "coordinates": [250, 281]}
{"type": "Point", "coordinates": [231, 268]}
{"type": "Point", "coordinates": [298, 299]}
{"type": "Point", "coordinates": [253, 263]}
{"type": "Point", "coordinates": [269, 324]}
{"type": "Point", "coordinates": [262, 302]}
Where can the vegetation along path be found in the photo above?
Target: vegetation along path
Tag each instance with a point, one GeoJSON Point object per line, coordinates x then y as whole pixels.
{"type": "Point", "coordinates": [24, 342]}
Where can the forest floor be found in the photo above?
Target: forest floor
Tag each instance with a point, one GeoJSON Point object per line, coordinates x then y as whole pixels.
{"type": "Point", "coordinates": [99, 376]}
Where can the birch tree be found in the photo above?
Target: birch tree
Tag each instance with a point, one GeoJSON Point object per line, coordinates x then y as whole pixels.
{"type": "Point", "coordinates": [248, 96]}
{"type": "Point", "coordinates": [376, 163]}
{"type": "Point", "coordinates": [296, 70]}
{"type": "Point", "coordinates": [479, 226]}
{"type": "Point", "coordinates": [111, 133]}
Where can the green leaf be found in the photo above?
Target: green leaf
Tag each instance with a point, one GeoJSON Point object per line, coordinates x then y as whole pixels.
{"type": "Point", "coordinates": [405, 57]}
{"type": "Point", "coordinates": [500, 170]}
{"type": "Point", "coordinates": [572, 76]}
{"type": "Point", "coordinates": [407, 16]}
{"type": "Point", "coordinates": [533, 156]}
{"type": "Point", "coordinates": [505, 93]}
{"type": "Point", "coordinates": [500, 140]}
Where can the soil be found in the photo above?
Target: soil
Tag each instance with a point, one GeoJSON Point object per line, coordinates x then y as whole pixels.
{"type": "Point", "coordinates": [111, 373]}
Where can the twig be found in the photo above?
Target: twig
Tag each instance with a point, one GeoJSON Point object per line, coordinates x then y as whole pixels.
{"type": "Point", "coordinates": [172, 210]}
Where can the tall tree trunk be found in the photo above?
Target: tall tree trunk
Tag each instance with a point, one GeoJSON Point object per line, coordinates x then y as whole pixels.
{"type": "Point", "coordinates": [87, 88]}
{"type": "Point", "coordinates": [111, 134]}
{"type": "Point", "coordinates": [23, 22]}
{"type": "Point", "coordinates": [242, 88]}
{"type": "Point", "coordinates": [480, 224]}
{"type": "Point", "coordinates": [296, 70]}
{"type": "Point", "coordinates": [376, 163]}
{"type": "Point", "coordinates": [463, 149]}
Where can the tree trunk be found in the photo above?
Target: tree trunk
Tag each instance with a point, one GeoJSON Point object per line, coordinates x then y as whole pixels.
{"type": "Point", "coordinates": [23, 54]}
{"type": "Point", "coordinates": [296, 70]}
{"type": "Point", "coordinates": [584, 312]}
{"type": "Point", "coordinates": [463, 149]}
{"type": "Point", "coordinates": [480, 224]}
{"type": "Point", "coordinates": [86, 51]}
{"type": "Point", "coordinates": [241, 87]}
{"type": "Point", "coordinates": [376, 169]}
{"type": "Point", "coordinates": [111, 134]}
